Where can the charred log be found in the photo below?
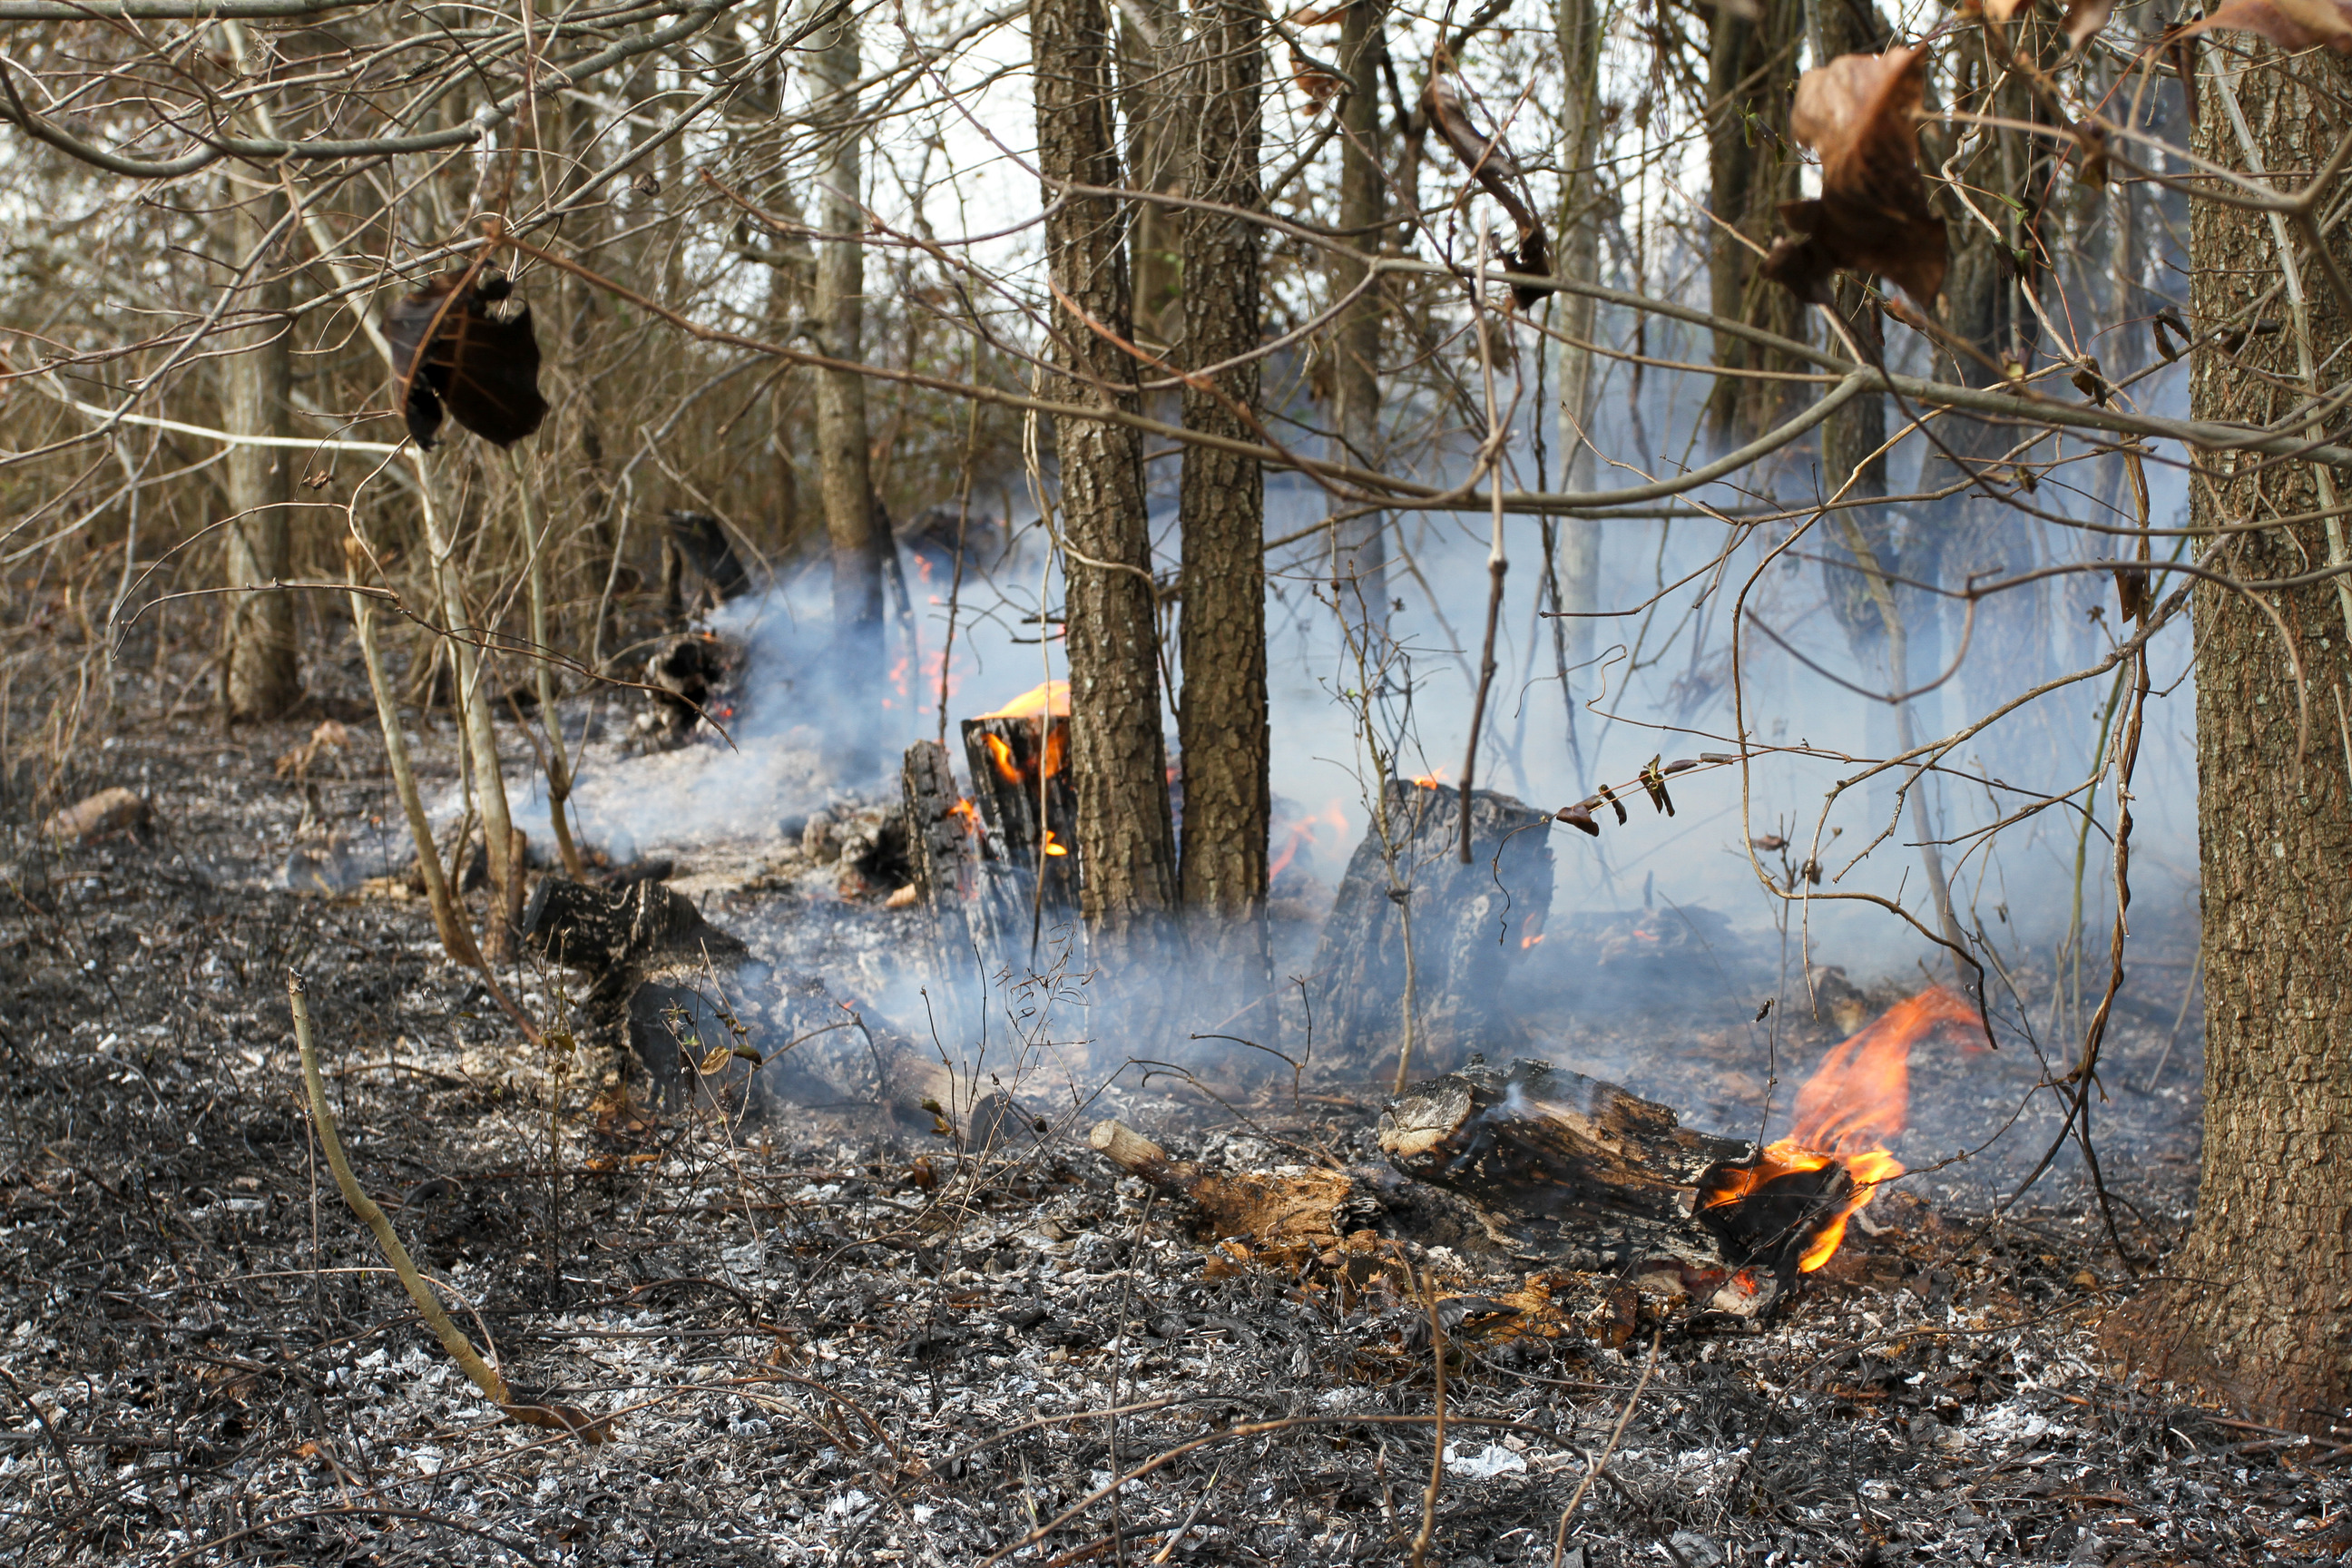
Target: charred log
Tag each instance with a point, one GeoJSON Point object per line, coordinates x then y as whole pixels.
{"type": "Point", "coordinates": [704, 1024]}
{"type": "Point", "coordinates": [685, 672]}
{"type": "Point", "coordinates": [702, 543]}
{"type": "Point", "coordinates": [1573, 1166]}
{"type": "Point", "coordinates": [1469, 926]}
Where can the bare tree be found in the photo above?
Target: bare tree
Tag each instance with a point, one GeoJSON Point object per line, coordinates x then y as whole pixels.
{"type": "Point", "coordinates": [261, 674]}
{"type": "Point", "coordinates": [843, 441]}
{"type": "Point", "coordinates": [1118, 759]}
{"type": "Point", "coordinates": [1221, 721]}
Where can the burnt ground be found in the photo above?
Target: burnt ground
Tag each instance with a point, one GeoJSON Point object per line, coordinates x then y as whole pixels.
{"type": "Point", "coordinates": [839, 1342]}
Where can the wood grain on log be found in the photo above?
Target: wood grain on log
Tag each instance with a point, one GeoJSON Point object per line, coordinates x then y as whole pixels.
{"type": "Point", "coordinates": [1577, 1168]}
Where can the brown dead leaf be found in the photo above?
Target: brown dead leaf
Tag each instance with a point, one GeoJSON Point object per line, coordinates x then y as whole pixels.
{"type": "Point", "coordinates": [115, 810]}
{"type": "Point", "coordinates": [1490, 163]}
{"type": "Point", "coordinates": [1858, 112]}
{"type": "Point", "coordinates": [2084, 18]}
{"type": "Point", "coordinates": [2289, 24]}
{"type": "Point", "coordinates": [1312, 80]}
{"type": "Point", "coordinates": [550, 1416]}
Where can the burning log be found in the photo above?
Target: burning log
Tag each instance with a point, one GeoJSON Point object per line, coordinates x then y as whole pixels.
{"type": "Point", "coordinates": [1469, 925]}
{"type": "Point", "coordinates": [1018, 781]}
{"type": "Point", "coordinates": [977, 860]}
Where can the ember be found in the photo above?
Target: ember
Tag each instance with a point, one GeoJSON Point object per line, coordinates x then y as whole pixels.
{"type": "Point", "coordinates": [1798, 1194]}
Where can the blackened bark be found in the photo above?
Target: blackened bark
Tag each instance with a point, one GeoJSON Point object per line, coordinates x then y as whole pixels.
{"type": "Point", "coordinates": [1117, 758]}
{"type": "Point", "coordinates": [1409, 909]}
{"type": "Point", "coordinates": [1222, 716]}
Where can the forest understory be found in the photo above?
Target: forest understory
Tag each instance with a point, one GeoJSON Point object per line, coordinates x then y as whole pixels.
{"type": "Point", "coordinates": [826, 1337]}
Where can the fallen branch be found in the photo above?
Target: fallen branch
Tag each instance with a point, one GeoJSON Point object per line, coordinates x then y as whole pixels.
{"type": "Point", "coordinates": [530, 1412]}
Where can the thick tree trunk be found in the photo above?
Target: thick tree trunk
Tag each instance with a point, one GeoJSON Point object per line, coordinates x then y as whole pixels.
{"type": "Point", "coordinates": [261, 675]}
{"type": "Point", "coordinates": [1752, 168]}
{"type": "Point", "coordinates": [1359, 544]}
{"type": "Point", "coordinates": [844, 446]}
{"type": "Point", "coordinates": [1118, 759]}
{"type": "Point", "coordinates": [2264, 1307]}
{"type": "Point", "coordinates": [1222, 716]}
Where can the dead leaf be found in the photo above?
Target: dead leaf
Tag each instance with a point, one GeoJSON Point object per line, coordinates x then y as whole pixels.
{"type": "Point", "coordinates": [1313, 80]}
{"type": "Point", "coordinates": [483, 369]}
{"type": "Point", "coordinates": [2289, 24]}
{"type": "Point", "coordinates": [109, 811]}
{"type": "Point", "coordinates": [550, 1416]}
{"type": "Point", "coordinates": [1859, 113]}
{"type": "Point", "coordinates": [2084, 18]}
{"type": "Point", "coordinates": [1490, 163]}
{"type": "Point", "coordinates": [1579, 817]}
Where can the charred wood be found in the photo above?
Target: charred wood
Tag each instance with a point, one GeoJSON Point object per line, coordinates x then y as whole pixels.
{"type": "Point", "coordinates": [1468, 925]}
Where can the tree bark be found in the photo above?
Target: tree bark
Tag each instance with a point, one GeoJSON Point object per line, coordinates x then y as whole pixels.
{"type": "Point", "coordinates": [2262, 1310]}
{"type": "Point", "coordinates": [843, 445]}
{"type": "Point", "coordinates": [1151, 47]}
{"type": "Point", "coordinates": [261, 674]}
{"type": "Point", "coordinates": [1117, 757]}
{"type": "Point", "coordinates": [1359, 544]}
{"type": "Point", "coordinates": [1752, 168]}
{"type": "Point", "coordinates": [1577, 581]}
{"type": "Point", "coordinates": [1222, 714]}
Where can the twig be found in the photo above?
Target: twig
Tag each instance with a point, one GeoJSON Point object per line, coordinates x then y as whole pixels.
{"type": "Point", "coordinates": [1559, 1539]}
{"type": "Point", "coordinates": [428, 1306]}
{"type": "Point", "coordinates": [1437, 1458]}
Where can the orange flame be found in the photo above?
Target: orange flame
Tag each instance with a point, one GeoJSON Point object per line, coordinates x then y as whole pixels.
{"type": "Point", "coordinates": [1432, 779]}
{"type": "Point", "coordinates": [969, 813]}
{"type": "Point", "coordinates": [1053, 844]}
{"type": "Point", "coordinates": [1052, 697]}
{"type": "Point", "coordinates": [1857, 1101]}
{"type": "Point", "coordinates": [1306, 831]}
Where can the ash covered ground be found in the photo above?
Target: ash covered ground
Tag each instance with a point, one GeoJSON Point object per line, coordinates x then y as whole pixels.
{"type": "Point", "coordinates": [832, 1337]}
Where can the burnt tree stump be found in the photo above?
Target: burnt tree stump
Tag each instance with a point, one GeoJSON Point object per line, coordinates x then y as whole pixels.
{"type": "Point", "coordinates": [1469, 926]}
{"type": "Point", "coordinates": [1006, 756]}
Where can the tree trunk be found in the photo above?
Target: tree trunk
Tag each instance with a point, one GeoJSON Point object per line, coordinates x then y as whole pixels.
{"type": "Point", "coordinates": [1151, 45]}
{"type": "Point", "coordinates": [1222, 716]}
{"type": "Point", "coordinates": [1573, 570]}
{"type": "Point", "coordinates": [1752, 168]}
{"type": "Point", "coordinates": [261, 676]}
{"type": "Point", "coordinates": [1117, 758]}
{"type": "Point", "coordinates": [844, 446]}
{"type": "Point", "coordinates": [1359, 545]}
{"type": "Point", "coordinates": [2263, 1307]}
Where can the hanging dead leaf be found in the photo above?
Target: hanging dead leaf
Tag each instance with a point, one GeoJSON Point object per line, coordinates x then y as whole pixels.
{"type": "Point", "coordinates": [482, 369]}
{"type": "Point", "coordinates": [1579, 818]}
{"type": "Point", "coordinates": [1312, 78]}
{"type": "Point", "coordinates": [1490, 163]}
{"type": "Point", "coordinates": [2289, 24]}
{"type": "Point", "coordinates": [1858, 112]}
{"type": "Point", "coordinates": [2084, 18]}
{"type": "Point", "coordinates": [1614, 803]}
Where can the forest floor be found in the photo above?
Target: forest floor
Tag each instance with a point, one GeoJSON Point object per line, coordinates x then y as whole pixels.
{"type": "Point", "coordinates": [863, 1347]}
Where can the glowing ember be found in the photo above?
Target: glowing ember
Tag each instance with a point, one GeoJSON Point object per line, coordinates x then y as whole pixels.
{"type": "Point", "coordinates": [1846, 1113]}
{"type": "Point", "coordinates": [1054, 695]}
